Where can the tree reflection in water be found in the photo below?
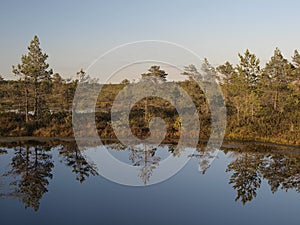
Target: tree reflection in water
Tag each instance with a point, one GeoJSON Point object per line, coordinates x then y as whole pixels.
{"type": "Point", "coordinates": [249, 168]}
{"type": "Point", "coordinates": [143, 156]}
{"type": "Point", "coordinates": [72, 157]}
{"type": "Point", "coordinates": [204, 156]}
{"type": "Point", "coordinates": [30, 168]}
{"type": "Point", "coordinates": [246, 176]}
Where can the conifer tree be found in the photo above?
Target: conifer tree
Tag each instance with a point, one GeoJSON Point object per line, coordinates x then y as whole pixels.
{"type": "Point", "coordinates": [36, 75]}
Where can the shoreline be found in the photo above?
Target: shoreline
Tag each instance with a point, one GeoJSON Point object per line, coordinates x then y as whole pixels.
{"type": "Point", "coordinates": [225, 141]}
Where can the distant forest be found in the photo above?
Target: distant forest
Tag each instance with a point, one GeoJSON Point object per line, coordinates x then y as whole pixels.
{"type": "Point", "coordinates": [263, 103]}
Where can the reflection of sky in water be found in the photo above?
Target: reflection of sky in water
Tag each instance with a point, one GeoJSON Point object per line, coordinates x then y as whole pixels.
{"type": "Point", "coordinates": [187, 198]}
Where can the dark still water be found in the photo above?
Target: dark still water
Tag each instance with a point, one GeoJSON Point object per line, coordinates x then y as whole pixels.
{"type": "Point", "coordinates": [52, 182]}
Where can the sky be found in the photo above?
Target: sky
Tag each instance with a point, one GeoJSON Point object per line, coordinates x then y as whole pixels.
{"type": "Point", "coordinates": [75, 33]}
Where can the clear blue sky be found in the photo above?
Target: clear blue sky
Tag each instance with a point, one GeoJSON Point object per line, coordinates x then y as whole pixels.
{"type": "Point", "coordinates": [73, 33]}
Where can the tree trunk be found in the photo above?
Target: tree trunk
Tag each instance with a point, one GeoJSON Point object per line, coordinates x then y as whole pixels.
{"type": "Point", "coordinates": [36, 114]}
{"type": "Point", "coordinates": [252, 112]}
{"type": "Point", "coordinates": [275, 100]}
{"type": "Point", "coordinates": [26, 103]}
{"type": "Point", "coordinates": [238, 115]}
{"type": "Point", "coordinates": [36, 99]}
{"type": "Point", "coordinates": [146, 111]}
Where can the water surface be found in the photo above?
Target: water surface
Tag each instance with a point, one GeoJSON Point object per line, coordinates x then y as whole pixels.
{"type": "Point", "coordinates": [51, 182]}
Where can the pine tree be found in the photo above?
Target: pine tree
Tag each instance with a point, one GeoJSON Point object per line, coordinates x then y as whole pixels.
{"type": "Point", "coordinates": [296, 62]}
{"type": "Point", "coordinates": [276, 76]}
{"type": "Point", "coordinates": [155, 74]}
{"type": "Point", "coordinates": [227, 71]}
{"type": "Point", "coordinates": [192, 72]}
{"type": "Point", "coordinates": [35, 73]}
{"type": "Point", "coordinates": [249, 68]}
{"type": "Point", "coordinates": [209, 73]}
{"type": "Point", "coordinates": [296, 59]}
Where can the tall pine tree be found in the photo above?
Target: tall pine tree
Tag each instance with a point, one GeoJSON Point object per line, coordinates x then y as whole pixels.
{"type": "Point", "coordinates": [35, 73]}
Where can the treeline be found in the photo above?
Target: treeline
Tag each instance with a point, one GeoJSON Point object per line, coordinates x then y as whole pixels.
{"type": "Point", "coordinates": [263, 103]}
